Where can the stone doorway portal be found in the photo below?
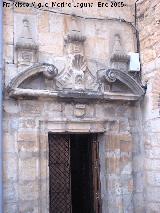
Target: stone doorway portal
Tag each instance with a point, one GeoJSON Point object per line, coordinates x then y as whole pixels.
{"type": "Point", "coordinates": [74, 185]}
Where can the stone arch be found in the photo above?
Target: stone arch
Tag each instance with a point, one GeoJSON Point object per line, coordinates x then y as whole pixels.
{"type": "Point", "coordinates": [112, 75]}
{"type": "Point", "coordinates": [48, 70]}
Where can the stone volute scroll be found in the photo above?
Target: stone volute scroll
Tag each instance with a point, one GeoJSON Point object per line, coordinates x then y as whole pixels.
{"type": "Point", "coordinates": [26, 47]}
{"type": "Point", "coordinates": [50, 71]}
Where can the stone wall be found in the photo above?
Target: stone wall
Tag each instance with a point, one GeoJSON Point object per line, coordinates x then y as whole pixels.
{"type": "Point", "coordinates": [149, 29]}
{"type": "Point", "coordinates": [26, 159]}
{"type": "Point", "coordinates": [27, 122]}
{"type": "Point", "coordinates": [53, 27]}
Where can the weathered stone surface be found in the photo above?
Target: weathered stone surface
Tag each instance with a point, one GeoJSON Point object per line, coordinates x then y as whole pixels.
{"type": "Point", "coordinates": [152, 164]}
{"type": "Point", "coordinates": [150, 40]}
{"type": "Point", "coordinates": [10, 167]}
{"type": "Point", "coordinates": [25, 190]}
{"type": "Point", "coordinates": [43, 22]}
{"type": "Point", "coordinates": [152, 207]}
{"type": "Point", "coordinates": [11, 207]}
{"type": "Point", "coordinates": [24, 136]}
{"type": "Point", "coordinates": [28, 169]}
{"type": "Point", "coordinates": [11, 192]}
{"type": "Point", "coordinates": [28, 206]}
{"type": "Point", "coordinates": [29, 123]}
{"type": "Point", "coordinates": [130, 147]}
{"type": "Point", "coordinates": [9, 145]}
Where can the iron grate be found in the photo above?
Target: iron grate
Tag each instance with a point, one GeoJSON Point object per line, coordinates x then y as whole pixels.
{"type": "Point", "coordinates": [59, 175]}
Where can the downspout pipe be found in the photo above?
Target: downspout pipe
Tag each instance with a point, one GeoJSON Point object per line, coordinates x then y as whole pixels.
{"type": "Point", "coordinates": [1, 106]}
{"type": "Point", "coordinates": [137, 38]}
{"type": "Point", "coordinates": [135, 23]}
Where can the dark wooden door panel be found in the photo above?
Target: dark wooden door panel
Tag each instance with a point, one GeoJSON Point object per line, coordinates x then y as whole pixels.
{"type": "Point", "coordinates": [96, 174]}
{"type": "Point", "coordinates": [59, 173]}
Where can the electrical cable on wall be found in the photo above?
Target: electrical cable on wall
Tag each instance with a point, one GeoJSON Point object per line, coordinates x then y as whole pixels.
{"type": "Point", "coordinates": [79, 16]}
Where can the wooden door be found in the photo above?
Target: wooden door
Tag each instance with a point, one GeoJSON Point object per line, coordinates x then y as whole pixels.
{"type": "Point", "coordinates": [59, 173]}
{"type": "Point", "coordinates": [96, 174]}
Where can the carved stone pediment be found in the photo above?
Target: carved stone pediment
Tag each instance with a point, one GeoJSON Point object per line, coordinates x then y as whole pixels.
{"type": "Point", "coordinates": [42, 80]}
{"type": "Point", "coordinates": [126, 83]}
{"type": "Point", "coordinates": [34, 78]}
{"type": "Point", "coordinates": [76, 80]}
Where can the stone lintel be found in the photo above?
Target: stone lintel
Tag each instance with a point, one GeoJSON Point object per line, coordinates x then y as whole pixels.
{"type": "Point", "coordinates": [16, 93]}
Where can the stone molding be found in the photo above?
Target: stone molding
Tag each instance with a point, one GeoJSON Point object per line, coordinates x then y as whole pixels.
{"type": "Point", "coordinates": [45, 127]}
{"type": "Point", "coordinates": [50, 72]}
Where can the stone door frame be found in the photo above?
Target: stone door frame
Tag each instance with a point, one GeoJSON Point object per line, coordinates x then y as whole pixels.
{"type": "Point", "coordinates": [79, 126]}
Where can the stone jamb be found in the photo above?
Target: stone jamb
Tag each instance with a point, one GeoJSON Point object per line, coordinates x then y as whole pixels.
{"type": "Point", "coordinates": [65, 127]}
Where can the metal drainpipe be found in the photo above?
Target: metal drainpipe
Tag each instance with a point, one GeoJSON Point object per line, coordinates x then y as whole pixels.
{"type": "Point", "coordinates": [1, 105]}
{"type": "Point", "coordinates": [138, 39]}
{"type": "Point", "coordinates": [137, 33]}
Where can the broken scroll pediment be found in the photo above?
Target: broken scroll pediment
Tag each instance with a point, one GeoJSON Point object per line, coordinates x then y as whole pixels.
{"type": "Point", "coordinates": [41, 81]}
{"type": "Point", "coordinates": [75, 80]}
